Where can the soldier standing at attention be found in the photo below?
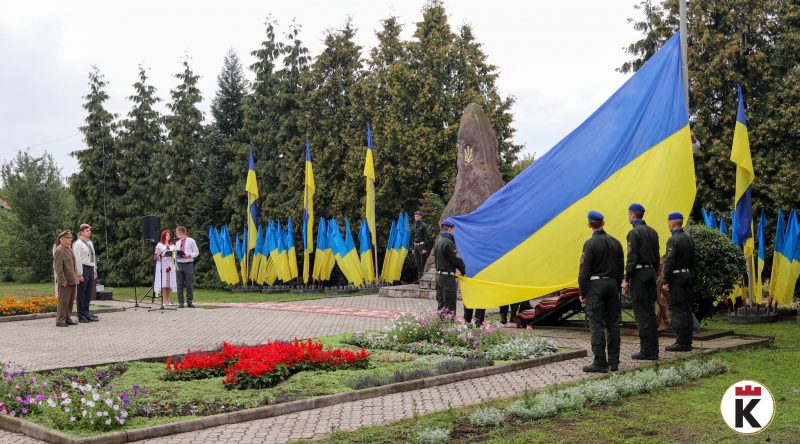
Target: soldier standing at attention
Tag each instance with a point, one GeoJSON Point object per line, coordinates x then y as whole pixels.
{"type": "Point", "coordinates": [640, 278]}
{"type": "Point", "coordinates": [676, 280]}
{"type": "Point", "coordinates": [422, 242]}
{"type": "Point", "coordinates": [447, 262]}
{"type": "Point", "coordinates": [599, 279]}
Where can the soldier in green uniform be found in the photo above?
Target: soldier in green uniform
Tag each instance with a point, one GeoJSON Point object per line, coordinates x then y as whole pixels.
{"type": "Point", "coordinates": [599, 280]}
{"type": "Point", "coordinates": [447, 262]}
{"type": "Point", "coordinates": [422, 241]}
{"type": "Point", "coordinates": [676, 280]}
{"type": "Point", "coordinates": [640, 280]}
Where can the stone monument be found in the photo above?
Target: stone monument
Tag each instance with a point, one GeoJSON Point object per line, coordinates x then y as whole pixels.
{"type": "Point", "coordinates": [478, 178]}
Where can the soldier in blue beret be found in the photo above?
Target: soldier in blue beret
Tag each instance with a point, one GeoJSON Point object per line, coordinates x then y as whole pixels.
{"type": "Point", "coordinates": [676, 281]}
{"type": "Point", "coordinates": [640, 280]}
{"type": "Point", "coordinates": [599, 280]}
{"type": "Point", "coordinates": [447, 261]}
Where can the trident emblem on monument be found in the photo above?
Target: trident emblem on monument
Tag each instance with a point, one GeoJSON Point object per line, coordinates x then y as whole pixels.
{"type": "Point", "coordinates": [468, 154]}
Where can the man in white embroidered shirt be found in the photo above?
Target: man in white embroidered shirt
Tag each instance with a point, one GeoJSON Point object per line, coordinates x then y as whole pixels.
{"type": "Point", "coordinates": [187, 252]}
{"type": "Point", "coordinates": [86, 268]}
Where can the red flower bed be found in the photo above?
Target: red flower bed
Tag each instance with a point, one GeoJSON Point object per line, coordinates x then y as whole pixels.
{"type": "Point", "coordinates": [263, 365]}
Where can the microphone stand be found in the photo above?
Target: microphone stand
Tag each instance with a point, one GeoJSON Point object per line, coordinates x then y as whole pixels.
{"type": "Point", "coordinates": [136, 299]}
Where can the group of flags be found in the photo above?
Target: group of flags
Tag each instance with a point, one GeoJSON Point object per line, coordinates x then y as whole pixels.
{"type": "Point", "coordinates": [396, 249]}
{"type": "Point", "coordinates": [786, 259]}
{"type": "Point", "coordinates": [273, 255]}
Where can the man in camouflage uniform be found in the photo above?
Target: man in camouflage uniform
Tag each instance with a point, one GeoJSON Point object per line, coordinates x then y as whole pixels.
{"type": "Point", "coordinates": [447, 262]}
{"type": "Point", "coordinates": [640, 278]}
{"type": "Point", "coordinates": [422, 241]}
{"type": "Point", "coordinates": [676, 280]}
{"type": "Point", "coordinates": [599, 280]}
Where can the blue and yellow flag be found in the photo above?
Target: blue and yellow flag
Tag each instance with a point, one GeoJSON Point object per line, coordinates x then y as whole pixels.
{"type": "Point", "coordinates": [762, 224]}
{"type": "Point", "coordinates": [308, 213]}
{"type": "Point", "coordinates": [257, 256]}
{"type": "Point", "coordinates": [723, 228]}
{"type": "Point", "coordinates": [389, 255]}
{"type": "Point", "coordinates": [290, 249]}
{"type": "Point", "coordinates": [216, 253]}
{"type": "Point", "coordinates": [780, 234]}
{"type": "Point", "coordinates": [526, 240]}
{"type": "Point", "coordinates": [252, 196]}
{"type": "Point", "coordinates": [369, 173]}
{"type": "Point", "coordinates": [745, 175]}
{"type": "Point", "coordinates": [228, 259]}
{"type": "Point", "coordinates": [365, 253]}
{"type": "Point", "coordinates": [784, 289]}
{"type": "Point", "coordinates": [321, 252]}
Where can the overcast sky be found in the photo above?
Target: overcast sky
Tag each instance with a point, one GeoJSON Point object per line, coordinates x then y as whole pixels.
{"type": "Point", "coordinates": [558, 58]}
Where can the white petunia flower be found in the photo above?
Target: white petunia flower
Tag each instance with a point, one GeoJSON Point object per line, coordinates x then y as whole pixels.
{"type": "Point", "coordinates": [109, 402]}
{"type": "Point", "coordinates": [74, 384]}
{"type": "Point", "coordinates": [108, 422]}
{"type": "Point", "coordinates": [73, 419]}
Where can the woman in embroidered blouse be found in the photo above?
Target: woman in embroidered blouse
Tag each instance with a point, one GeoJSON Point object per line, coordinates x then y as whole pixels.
{"type": "Point", "coordinates": [165, 267]}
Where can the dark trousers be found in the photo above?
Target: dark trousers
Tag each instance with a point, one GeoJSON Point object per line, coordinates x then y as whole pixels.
{"type": "Point", "coordinates": [642, 287]}
{"type": "Point", "coordinates": [420, 259]}
{"type": "Point", "coordinates": [480, 314]}
{"type": "Point", "coordinates": [84, 296]}
{"type": "Point", "coordinates": [504, 312]}
{"type": "Point", "coordinates": [185, 279]}
{"type": "Point", "coordinates": [680, 304]}
{"type": "Point", "coordinates": [446, 293]}
{"type": "Point", "coordinates": [602, 311]}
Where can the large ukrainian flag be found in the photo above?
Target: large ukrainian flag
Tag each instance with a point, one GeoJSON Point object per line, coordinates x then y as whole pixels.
{"type": "Point", "coordinates": [788, 266]}
{"type": "Point", "coordinates": [780, 234]}
{"type": "Point", "coordinates": [525, 241]}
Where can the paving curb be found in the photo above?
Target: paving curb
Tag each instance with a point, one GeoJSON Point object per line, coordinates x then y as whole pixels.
{"type": "Point", "coordinates": [33, 316]}
{"type": "Point", "coordinates": [28, 428]}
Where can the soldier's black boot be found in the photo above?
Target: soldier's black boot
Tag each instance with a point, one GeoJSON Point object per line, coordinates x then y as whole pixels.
{"type": "Point", "coordinates": [594, 368]}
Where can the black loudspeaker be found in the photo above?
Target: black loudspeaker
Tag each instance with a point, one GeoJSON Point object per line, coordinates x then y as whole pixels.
{"type": "Point", "coordinates": [150, 228]}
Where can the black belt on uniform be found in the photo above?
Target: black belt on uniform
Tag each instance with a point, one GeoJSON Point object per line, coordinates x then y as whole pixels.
{"type": "Point", "coordinates": [594, 278]}
{"type": "Point", "coordinates": [682, 270]}
{"type": "Point", "coordinates": [643, 266]}
{"type": "Point", "coordinates": [419, 243]}
{"type": "Point", "coordinates": [450, 273]}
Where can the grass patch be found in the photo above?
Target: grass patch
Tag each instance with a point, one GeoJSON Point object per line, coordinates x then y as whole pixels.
{"type": "Point", "coordinates": [18, 290]}
{"type": "Point", "coordinates": [689, 413]}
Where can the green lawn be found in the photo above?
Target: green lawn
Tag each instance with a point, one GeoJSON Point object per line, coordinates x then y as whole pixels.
{"type": "Point", "coordinates": [686, 414]}
{"type": "Point", "coordinates": [14, 289]}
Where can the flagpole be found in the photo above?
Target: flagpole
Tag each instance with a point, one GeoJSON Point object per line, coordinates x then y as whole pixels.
{"type": "Point", "coordinates": [684, 55]}
{"type": "Point", "coordinates": [375, 247]}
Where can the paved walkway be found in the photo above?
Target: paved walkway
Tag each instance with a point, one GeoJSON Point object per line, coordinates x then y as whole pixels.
{"type": "Point", "coordinates": [137, 334]}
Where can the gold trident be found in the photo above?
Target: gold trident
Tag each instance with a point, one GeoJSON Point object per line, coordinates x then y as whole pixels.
{"type": "Point", "coordinates": [468, 154]}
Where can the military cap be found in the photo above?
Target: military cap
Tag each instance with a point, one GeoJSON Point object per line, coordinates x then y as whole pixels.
{"type": "Point", "coordinates": [636, 207]}
{"type": "Point", "coordinates": [418, 213]}
{"type": "Point", "coordinates": [675, 216]}
{"type": "Point", "coordinates": [85, 227]}
{"type": "Point", "coordinates": [595, 216]}
{"type": "Point", "coordinates": [448, 222]}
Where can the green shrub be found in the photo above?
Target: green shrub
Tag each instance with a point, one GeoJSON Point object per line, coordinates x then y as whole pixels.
{"type": "Point", "coordinates": [719, 266]}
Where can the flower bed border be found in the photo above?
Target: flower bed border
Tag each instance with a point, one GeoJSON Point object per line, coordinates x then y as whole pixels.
{"type": "Point", "coordinates": [52, 314]}
{"type": "Point", "coordinates": [34, 430]}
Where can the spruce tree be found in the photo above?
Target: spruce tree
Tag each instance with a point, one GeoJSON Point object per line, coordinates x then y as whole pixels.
{"type": "Point", "coordinates": [215, 156]}
{"type": "Point", "coordinates": [95, 186]}
{"type": "Point", "coordinates": [336, 128]}
{"type": "Point", "coordinates": [184, 128]}
{"type": "Point", "coordinates": [143, 175]}
{"type": "Point", "coordinates": [227, 107]}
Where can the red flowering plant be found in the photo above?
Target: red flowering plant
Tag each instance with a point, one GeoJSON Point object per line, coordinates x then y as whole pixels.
{"type": "Point", "coordinates": [201, 365]}
{"type": "Point", "coordinates": [260, 366]}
